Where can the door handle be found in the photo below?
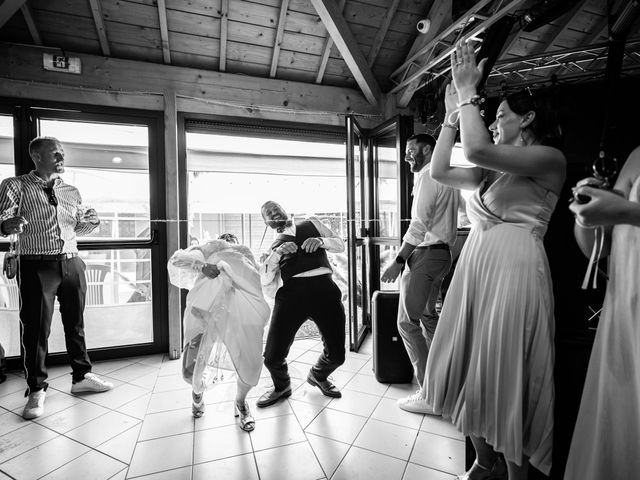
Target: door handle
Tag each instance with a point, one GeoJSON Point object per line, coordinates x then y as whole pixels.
{"type": "Point", "coordinates": [359, 242]}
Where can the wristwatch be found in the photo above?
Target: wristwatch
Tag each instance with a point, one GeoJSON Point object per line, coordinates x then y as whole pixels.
{"type": "Point", "coordinates": [400, 259]}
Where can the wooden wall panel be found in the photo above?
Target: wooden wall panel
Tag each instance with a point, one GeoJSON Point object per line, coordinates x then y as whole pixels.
{"type": "Point", "coordinates": [80, 8]}
{"type": "Point", "coordinates": [200, 7]}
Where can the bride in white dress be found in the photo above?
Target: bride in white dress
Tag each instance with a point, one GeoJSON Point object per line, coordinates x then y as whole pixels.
{"type": "Point", "coordinates": [224, 319]}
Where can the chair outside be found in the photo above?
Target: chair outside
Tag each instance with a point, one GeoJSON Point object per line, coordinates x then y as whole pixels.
{"type": "Point", "coordinates": [95, 275]}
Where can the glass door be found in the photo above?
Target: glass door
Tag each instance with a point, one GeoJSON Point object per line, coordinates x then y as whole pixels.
{"type": "Point", "coordinates": [378, 204]}
{"type": "Point", "coordinates": [357, 182]}
{"type": "Point", "coordinates": [113, 161]}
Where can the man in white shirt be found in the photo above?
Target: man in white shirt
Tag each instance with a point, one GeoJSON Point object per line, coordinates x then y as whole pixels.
{"type": "Point", "coordinates": [426, 256]}
{"type": "Point", "coordinates": [298, 257]}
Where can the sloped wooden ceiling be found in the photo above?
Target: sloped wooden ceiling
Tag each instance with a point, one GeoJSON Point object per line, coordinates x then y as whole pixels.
{"type": "Point", "coordinates": [366, 44]}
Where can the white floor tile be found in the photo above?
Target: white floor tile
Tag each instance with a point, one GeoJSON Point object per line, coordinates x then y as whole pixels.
{"type": "Point", "coordinates": [418, 472]}
{"type": "Point", "coordinates": [388, 411]}
{"type": "Point", "coordinates": [43, 459]}
{"type": "Point", "coordinates": [222, 442]}
{"type": "Point", "coordinates": [276, 432]}
{"type": "Point", "coordinates": [72, 417]}
{"type": "Point", "coordinates": [241, 467]}
{"type": "Point", "coordinates": [108, 366]}
{"type": "Point", "coordinates": [175, 474]}
{"type": "Point", "coordinates": [340, 426]}
{"type": "Point", "coordinates": [98, 431]}
{"type": "Point", "coordinates": [165, 401]}
{"type": "Point", "coordinates": [366, 384]}
{"type": "Point", "coordinates": [122, 446]}
{"type": "Point", "coordinates": [400, 390]}
{"type": "Point", "coordinates": [13, 383]}
{"type": "Point", "coordinates": [169, 382]}
{"type": "Point", "coordinates": [10, 421]}
{"type": "Point", "coordinates": [154, 360]}
{"type": "Point", "coordinates": [19, 441]}
{"type": "Point", "coordinates": [166, 424]}
{"type": "Point", "coordinates": [133, 371]}
{"type": "Point", "coordinates": [440, 426]}
{"type": "Point", "coordinates": [354, 365]}
{"type": "Point", "coordinates": [360, 464]}
{"type": "Point", "coordinates": [92, 465]}
{"type": "Point", "coordinates": [291, 462]}
{"type": "Point", "coordinates": [120, 395]}
{"type": "Point", "coordinates": [161, 454]}
{"type": "Point", "coordinates": [386, 438]}
{"type": "Point", "coordinates": [136, 408]}
{"type": "Point", "coordinates": [310, 394]}
{"type": "Point", "coordinates": [171, 367]}
{"type": "Point", "coordinates": [304, 412]}
{"type": "Point", "coordinates": [438, 452]}
{"type": "Point", "coordinates": [217, 415]}
{"type": "Point", "coordinates": [357, 403]}
{"type": "Point", "coordinates": [328, 452]}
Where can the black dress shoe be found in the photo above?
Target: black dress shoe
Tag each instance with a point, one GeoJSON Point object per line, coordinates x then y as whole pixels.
{"type": "Point", "coordinates": [326, 386]}
{"type": "Point", "coordinates": [272, 396]}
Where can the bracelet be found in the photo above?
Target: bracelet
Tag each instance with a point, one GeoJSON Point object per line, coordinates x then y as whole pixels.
{"type": "Point", "coordinates": [449, 125]}
{"type": "Point", "coordinates": [474, 100]}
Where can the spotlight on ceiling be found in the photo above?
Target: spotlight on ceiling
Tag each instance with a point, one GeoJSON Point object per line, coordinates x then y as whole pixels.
{"type": "Point", "coordinates": [544, 12]}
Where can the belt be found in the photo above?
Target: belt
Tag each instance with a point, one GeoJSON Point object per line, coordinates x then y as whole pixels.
{"type": "Point", "coordinates": [436, 246]}
{"type": "Point", "coordinates": [48, 258]}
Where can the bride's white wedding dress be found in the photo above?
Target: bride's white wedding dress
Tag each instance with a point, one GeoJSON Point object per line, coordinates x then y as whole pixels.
{"type": "Point", "coordinates": [224, 318]}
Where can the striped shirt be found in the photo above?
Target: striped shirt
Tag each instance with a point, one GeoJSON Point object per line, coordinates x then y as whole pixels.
{"type": "Point", "coordinates": [50, 229]}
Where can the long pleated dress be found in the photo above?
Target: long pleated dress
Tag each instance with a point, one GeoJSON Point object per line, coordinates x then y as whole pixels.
{"type": "Point", "coordinates": [490, 368]}
{"type": "Point", "coordinates": [606, 439]}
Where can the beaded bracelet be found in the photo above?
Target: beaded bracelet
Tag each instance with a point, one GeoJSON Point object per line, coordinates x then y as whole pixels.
{"type": "Point", "coordinates": [449, 125]}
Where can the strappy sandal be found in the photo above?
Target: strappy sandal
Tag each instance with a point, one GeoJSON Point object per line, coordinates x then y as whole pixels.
{"type": "Point", "coordinates": [498, 471]}
{"type": "Point", "coordinates": [197, 405]}
{"type": "Point", "coordinates": [247, 422]}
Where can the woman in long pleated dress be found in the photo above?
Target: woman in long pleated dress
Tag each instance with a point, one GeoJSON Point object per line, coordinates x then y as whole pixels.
{"type": "Point", "coordinates": [490, 368]}
{"type": "Point", "coordinates": [606, 439]}
{"type": "Point", "coordinates": [224, 319]}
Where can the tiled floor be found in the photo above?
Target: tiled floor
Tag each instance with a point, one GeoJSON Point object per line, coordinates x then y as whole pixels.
{"type": "Point", "coordinates": [143, 429]}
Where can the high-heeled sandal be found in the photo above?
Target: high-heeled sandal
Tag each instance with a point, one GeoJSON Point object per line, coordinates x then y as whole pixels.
{"type": "Point", "coordinates": [197, 404]}
{"type": "Point", "coordinates": [498, 471]}
{"type": "Point", "coordinates": [247, 422]}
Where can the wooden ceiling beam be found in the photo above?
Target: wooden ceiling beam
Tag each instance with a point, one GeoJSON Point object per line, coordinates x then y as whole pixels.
{"type": "Point", "coordinates": [284, 6]}
{"type": "Point", "coordinates": [98, 19]}
{"type": "Point", "coordinates": [224, 29]}
{"type": "Point", "coordinates": [164, 31]}
{"type": "Point", "coordinates": [382, 32]}
{"type": "Point", "coordinates": [569, 17]}
{"type": "Point", "coordinates": [440, 16]}
{"type": "Point", "coordinates": [338, 28]}
{"type": "Point", "coordinates": [8, 10]}
{"type": "Point", "coordinates": [31, 23]}
{"type": "Point", "coordinates": [326, 51]}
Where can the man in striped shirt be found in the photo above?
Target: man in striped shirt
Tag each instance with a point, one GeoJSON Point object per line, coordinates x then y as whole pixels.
{"type": "Point", "coordinates": [46, 215]}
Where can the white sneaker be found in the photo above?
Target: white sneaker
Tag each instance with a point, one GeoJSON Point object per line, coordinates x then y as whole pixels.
{"type": "Point", "coordinates": [35, 405]}
{"type": "Point", "coordinates": [91, 383]}
{"type": "Point", "coordinates": [416, 404]}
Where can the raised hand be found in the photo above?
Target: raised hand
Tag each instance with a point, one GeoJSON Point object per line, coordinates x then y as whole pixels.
{"type": "Point", "coordinates": [464, 69]}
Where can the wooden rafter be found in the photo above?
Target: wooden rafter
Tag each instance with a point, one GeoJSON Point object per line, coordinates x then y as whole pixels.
{"type": "Point", "coordinates": [224, 25]}
{"type": "Point", "coordinates": [440, 16]}
{"type": "Point", "coordinates": [338, 28]}
{"type": "Point", "coordinates": [568, 18]}
{"type": "Point", "coordinates": [164, 31]}
{"type": "Point", "coordinates": [326, 51]}
{"type": "Point", "coordinates": [31, 23]}
{"type": "Point", "coordinates": [284, 6]}
{"type": "Point", "coordinates": [382, 32]}
{"type": "Point", "coordinates": [8, 8]}
{"type": "Point", "coordinates": [98, 19]}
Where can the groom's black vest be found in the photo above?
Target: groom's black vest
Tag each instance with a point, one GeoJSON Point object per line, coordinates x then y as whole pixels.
{"type": "Point", "coordinates": [292, 264]}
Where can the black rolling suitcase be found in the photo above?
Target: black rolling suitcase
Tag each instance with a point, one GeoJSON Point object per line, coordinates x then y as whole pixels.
{"type": "Point", "coordinates": [391, 363]}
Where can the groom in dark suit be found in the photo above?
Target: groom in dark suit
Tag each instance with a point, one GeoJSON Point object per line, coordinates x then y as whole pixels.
{"type": "Point", "coordinates": [298, 258]}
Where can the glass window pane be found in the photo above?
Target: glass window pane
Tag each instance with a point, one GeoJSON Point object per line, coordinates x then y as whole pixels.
{"type": "Point", "coordinates": [109, 164]}
{"type": "Point", "coordinates": [388, 255]}
{"type": "Point", "coordinates": [388, 186]}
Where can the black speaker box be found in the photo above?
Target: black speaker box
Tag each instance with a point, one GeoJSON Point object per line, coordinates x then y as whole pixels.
{"type": "Point", "coordinates": [391, 363]}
